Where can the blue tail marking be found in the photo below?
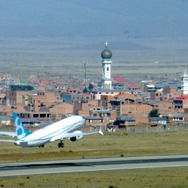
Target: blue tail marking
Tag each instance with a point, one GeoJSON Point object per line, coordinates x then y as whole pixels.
{"type": "Point", "coordinates": [20, 129]}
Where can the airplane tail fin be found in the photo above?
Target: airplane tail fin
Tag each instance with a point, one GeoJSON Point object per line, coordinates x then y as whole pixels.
{"type": "Point", "coordinates": [20, 129]}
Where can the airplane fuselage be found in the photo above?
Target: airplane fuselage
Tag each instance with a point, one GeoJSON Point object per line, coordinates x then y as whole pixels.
{"type": "Point", "coordinates": [51, 132]}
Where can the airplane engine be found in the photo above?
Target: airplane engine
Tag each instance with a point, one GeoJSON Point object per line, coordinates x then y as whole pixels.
{"type": "Point", "coordinates": [73, 139]}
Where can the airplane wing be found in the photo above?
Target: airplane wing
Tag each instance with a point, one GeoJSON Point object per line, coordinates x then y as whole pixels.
{"type": "Point", "coordinates": [80, 133]}
{"type": "Point", "coordinates": [13, 134]}
{"type": "Point", "coordinates": [6, 140]}
{"type": "Point", "coordinates": [77, 133]}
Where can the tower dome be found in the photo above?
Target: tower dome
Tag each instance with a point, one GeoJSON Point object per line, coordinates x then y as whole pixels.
{"type": "Point", "coordinates": [106, 53]}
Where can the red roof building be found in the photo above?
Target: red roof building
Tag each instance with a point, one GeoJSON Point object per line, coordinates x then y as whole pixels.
{"type": "Point", "coordinates": [181, 102]}
{"type": "Point", "coordinates": [134, 87]}
{"type": "Point", "coordinates": [120, 79]}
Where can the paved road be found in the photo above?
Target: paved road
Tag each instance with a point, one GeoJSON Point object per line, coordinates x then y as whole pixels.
{"type": "Point", "coordinates": [90, 165]}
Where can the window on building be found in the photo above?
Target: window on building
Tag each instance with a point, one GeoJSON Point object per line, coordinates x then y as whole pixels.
{"type": "Point", "coordinates": [42, 115]}
{"type": "Point", "coordinates": [35, 115]}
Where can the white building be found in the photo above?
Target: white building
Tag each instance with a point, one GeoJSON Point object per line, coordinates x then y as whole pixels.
{"type": "Point", "coordinates": [184, 85]}
{"type": "Point", "coordinates": [106, 55]}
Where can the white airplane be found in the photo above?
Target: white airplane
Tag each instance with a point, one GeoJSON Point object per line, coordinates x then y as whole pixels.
{"type": "Point", "coordinates": [66, 128]}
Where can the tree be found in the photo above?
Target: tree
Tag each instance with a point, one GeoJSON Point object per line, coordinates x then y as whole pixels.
{"type": "Point", "coordinates": [85, 90]}
{"type": "Point", "coordinates": [90, 87]}
{"type": "Point", "coordinates": [154, 113]}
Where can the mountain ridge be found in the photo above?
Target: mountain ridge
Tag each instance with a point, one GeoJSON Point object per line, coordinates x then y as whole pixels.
{"type": "Point", "coordinates": [90, 20]}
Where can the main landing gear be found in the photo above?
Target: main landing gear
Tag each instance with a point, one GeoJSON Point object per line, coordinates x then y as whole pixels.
{"type": "Point", "coordinates": [60, 144]}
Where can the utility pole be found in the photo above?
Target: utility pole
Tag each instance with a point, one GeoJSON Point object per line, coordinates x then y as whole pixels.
{"type": "Point", "coordinates": [85, 89]}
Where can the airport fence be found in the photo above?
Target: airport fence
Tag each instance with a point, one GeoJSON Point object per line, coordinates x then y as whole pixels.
{"type": "Point", "coordinates": [158, 128]}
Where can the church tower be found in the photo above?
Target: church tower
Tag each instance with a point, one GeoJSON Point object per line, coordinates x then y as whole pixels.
{"type": "Point", "coordinates": [184, 83]}
{"type": "Point", "coordinates": [106, 56]}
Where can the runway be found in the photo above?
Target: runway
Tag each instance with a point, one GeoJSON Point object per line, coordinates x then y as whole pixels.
{"type": "Point", "coordinates": [91, 165]}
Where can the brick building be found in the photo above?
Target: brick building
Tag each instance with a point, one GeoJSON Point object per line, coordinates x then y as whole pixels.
{"type": "Point", "coordinates": [84, 107]}
{"type": "Point", "coordinates": [181, 102]}
{"type": "Point", "coordinates": [40, 101]}
{"type": "Point", "coordinates": [138, 111]}
{"type": "Point", "coordinates": [119, 101]}
{"type": "Point", "coordinates": [164, 107]}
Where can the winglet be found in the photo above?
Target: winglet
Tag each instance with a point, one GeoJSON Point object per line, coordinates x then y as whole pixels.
{"type": "Point", "coordinates": [100, 131]}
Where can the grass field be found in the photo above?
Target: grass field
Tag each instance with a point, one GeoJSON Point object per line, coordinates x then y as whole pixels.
{"type": "Point", "coordinates": [120, 144]}
{"type": "Point", "coordinates": [117, 144]}
{"type": "Point", "coordinates": [55, 61]}
{"type": "Point", "coordinates": [148, 178]}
